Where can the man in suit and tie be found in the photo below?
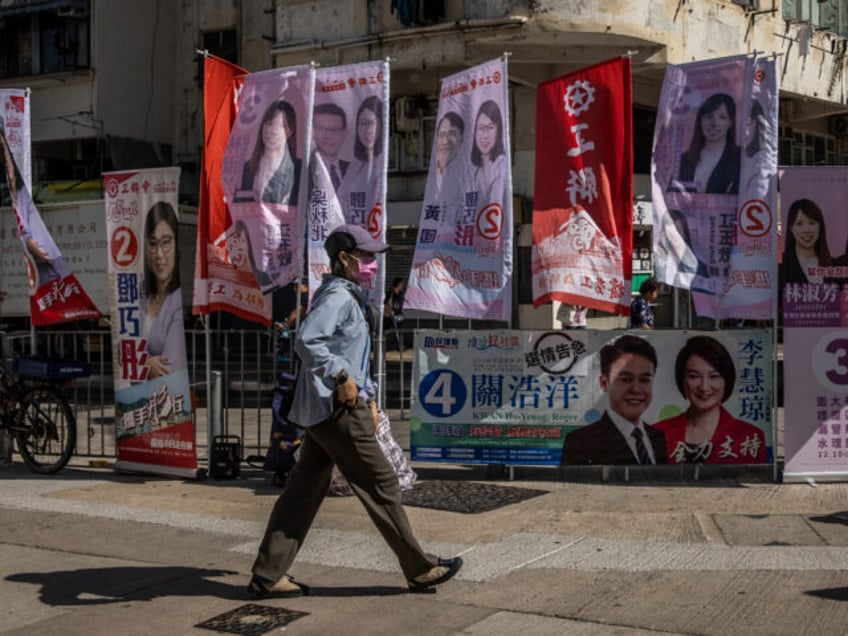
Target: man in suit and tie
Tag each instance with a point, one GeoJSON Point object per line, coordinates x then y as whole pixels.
{"type": "Point", "coordinates": [620, 436]}
{"type": "Point", "coordinates": [444, 189]}
{"type": "Point", "coordinates": [329, 128]}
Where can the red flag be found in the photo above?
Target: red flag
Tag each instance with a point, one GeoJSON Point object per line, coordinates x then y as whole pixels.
{"type": "Point", "coordinates": [582, 211]}
{"type": "Point", "coordinates": [222, 281]}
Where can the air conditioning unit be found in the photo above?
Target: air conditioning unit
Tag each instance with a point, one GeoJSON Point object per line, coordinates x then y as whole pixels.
{"type": "Point", "coordinates": [407, 114]}
{"type": "Point", "coordinates": [837, 125]}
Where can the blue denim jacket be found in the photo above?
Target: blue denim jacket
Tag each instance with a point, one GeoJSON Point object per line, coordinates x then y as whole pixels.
{"type": "Point", "coordinates": [334, 336]}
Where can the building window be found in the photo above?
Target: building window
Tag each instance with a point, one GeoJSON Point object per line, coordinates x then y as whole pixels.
{"type": "Point", "coordinates": [41, 42]}
{"type": "Point", "coordinates": [831, 15]}
{"type": "Point", "coordinates": [806, 149]}
{"type": "Point", "coordinates": [222, 44]}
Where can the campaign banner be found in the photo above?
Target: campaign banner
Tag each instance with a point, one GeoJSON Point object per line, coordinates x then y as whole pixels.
{"type": "Point", "coordinates": [815, 318]}
{"type": "Point", "coordinates": [349, 161]}
{"type": "Point", "coordinates": [576, 397]}
{"type": "Point", "coordinates": [153, 406]}
{"type": "Point", "coordinates": [696, 171]}
{"type": "Point", "coordinates": [462, 265]}
{"type": "Point", "coordinates": [80, 235]}
{"type": "Point", "coordinates": [15, 121]}
{"type": "Point", "coordinates": [815, 246]}
{"type": "Point", "coordinates": [582, 208]}
{"type": "Point", "coordinates": [750, 290]}
{"type": "Point", "coordinates": [55, 294]}
{"type": "Point", "coordinates": [263, 174]}
{"type": "Point", "coordinates": [224, 279]}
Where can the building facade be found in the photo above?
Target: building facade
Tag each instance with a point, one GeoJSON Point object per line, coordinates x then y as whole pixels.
{"type": "Point", "coordinates": [118, 84]}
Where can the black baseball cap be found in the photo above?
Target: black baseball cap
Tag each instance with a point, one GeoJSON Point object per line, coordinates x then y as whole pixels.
{"type": "Point", "coordinates": [347, 238]}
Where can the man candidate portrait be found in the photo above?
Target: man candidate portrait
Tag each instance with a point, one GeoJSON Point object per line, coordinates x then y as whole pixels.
{"type": "Point", "coordinates": [621, 436]}
{"type": "Point", "coordinates": [449, 136]}
{"type": "Point", "coordinates": [329, 129]}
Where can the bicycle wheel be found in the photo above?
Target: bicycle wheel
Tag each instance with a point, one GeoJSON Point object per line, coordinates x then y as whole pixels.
{"type": "Point", "coordinates": [46, 430]}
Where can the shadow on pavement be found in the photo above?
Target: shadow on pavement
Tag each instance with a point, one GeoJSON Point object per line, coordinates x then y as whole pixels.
{"type": "Point", "coordinates": [373, 590]}
{"type": "Point", "coordinates": [831, 593]}
{"type": "Point", "coordinates": [100, 586]}
{"type": "Point", "coordinates": [833, 517]}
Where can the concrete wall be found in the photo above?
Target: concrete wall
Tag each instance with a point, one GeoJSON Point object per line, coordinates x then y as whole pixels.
{"type": "Point", "coordinates": [134, 53]}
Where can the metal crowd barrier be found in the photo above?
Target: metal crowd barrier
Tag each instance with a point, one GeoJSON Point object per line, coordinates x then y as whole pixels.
{"type": "Point", "coordinates": [248, 361]}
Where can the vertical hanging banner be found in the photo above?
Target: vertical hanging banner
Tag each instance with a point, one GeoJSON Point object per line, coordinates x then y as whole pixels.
{"type": "Point", "coordinates": [462, 264]}
{"type": "Point", "coordinates": [152, 402]}
{"type": "Point", "coordinates": [696, 171]}
{"type": "Point", "coordinates": [815, 320]}
{"type": "Point", "coordinates": [224, 278]}
{"type": "Point", "coordinates": [15, 117]}
{"type": "Point", "coordinates": [263, 175]}
{"type": "Point", "coordinates": [750, 288]}
{"type": "Point", "coordinates": [582, 216]}
{"type": "Point", "coordinates": [55, 294]}
{"type": "Point", "coordinates": [349, 160]}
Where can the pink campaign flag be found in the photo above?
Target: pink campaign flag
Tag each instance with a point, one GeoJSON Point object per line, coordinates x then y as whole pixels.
{"type": "Point", "coordinates": [714, 196]}
{"type": "Point", "coordinates": [349, 160]}
{"type": "Point", "coordinates": [264, 175]}
{"type": "Point", "coordinates": [462, 264]}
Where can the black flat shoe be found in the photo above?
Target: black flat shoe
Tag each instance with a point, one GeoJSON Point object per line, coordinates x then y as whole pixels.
{"type": "Point", "coordinates": [436, 576]}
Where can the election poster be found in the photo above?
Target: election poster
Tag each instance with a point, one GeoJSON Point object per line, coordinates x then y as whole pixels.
{"type": "Point", "coordinates": [55, 294]}
{"type": "Point", "coordinates": [593, 397]}
{"type": "Point", "coordinates": [224, 279]}
{"type": "Point", "coordinates": [15, 122]}
{"type": "Point", "coordinates": [814, 302]}
{"type": "Point", "coordinates": [696, 171]}
{"type": "Point", "coordinates": [750, 288]}
{"type": "Point", "coordinates": [264, 172]}
{"type": "Point", "coordinates": [153, 407]}
{"type": "Point", "coordinates": [462, 265]}
{"type": "Point", "coordinates": [349, 161]}
{"type": "Point", "coordinates": [582, 209]}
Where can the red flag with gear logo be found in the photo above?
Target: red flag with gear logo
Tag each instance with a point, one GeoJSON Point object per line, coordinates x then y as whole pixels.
{"type": "Point", "coordinates": [582, 211]}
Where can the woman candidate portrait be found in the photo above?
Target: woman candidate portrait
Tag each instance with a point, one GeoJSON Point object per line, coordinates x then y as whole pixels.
{"type": "Point", "coordinates": [706, 433]}
{"type": "Point", "coordinates": [272, 173]}
{"type": "Point", "coordinates": [488, 155]}
{"type": "Point", "coordinates": [240, 253]}
{"type": "Point", "coordinates": [711, 163]}
{"type": "Point", "coordinates": [42, 267]}
{"type": "Point", "coordinates": [366, 171]}
{"type": "Point", "coordinates": [163, 305]}
{"type": "Point", "coordinates": [806, 243]}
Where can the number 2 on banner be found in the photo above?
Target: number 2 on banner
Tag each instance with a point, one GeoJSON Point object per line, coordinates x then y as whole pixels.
{"type": "Point", "coordinates": [442, 393]}
{"type": "Point", "coordinates": [123, 246]}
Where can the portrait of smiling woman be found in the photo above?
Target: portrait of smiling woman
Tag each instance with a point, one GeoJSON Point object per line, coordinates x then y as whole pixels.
{"type": "Point", "coordinates": [712, 161]}
{"type": "Point", "coordinates": [806, 243]}
{"type": "Point", "coordinates": [272, 174]}
{"type": "Point", "coordinates": [488, 155]}
{"type": "Point", "coordinates": [162, 302]}
{"type": "Point", "coordinates": [706, 433]}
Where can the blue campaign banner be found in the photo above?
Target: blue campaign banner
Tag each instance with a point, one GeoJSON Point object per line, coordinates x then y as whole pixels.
{"type": "Point", "coordinates": [586, 397]}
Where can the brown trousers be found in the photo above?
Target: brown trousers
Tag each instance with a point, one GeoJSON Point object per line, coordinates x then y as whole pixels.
{"type": "Point", "coordinates": [347, 439]}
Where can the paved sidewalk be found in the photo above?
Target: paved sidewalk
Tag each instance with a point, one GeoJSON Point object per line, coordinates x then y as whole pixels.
{"type": "Point", "coordinates": [93, 552]}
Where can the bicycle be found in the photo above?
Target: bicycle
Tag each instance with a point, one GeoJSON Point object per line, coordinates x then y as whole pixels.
{"type": "Point", "coordinates": [35, 413]}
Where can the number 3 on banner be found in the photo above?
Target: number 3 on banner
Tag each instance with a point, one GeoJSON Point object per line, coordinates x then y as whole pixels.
{"type": "Point", "coordinates": [830, 361]}
{"type": "Point", "coordinates": [442, 393]}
